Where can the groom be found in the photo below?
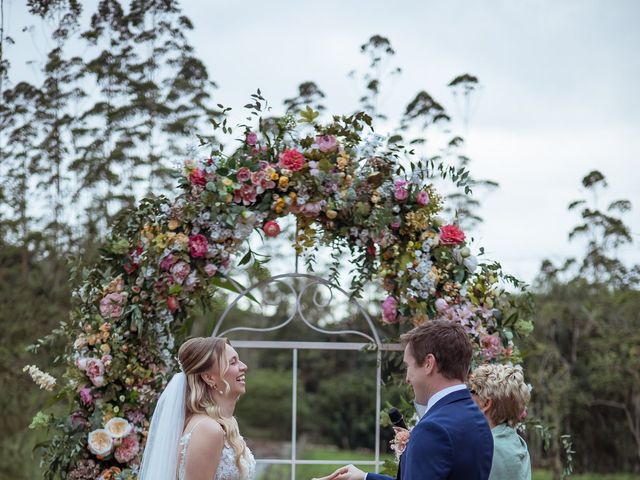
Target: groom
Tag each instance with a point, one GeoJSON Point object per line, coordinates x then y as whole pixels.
{"type": "Point", "coordinates": [452, 440]}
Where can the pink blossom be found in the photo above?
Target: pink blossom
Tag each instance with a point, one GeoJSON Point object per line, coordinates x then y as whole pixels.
{"type": "Point", "coordinates": [106, 360]}
{"type": "Point", "coordinates": [172, 303]}
{"type": "Point", "coordinates": [243, 174]}
{"type": "Point", "coordinates": [210, 269]}
{"type": "Point", "coordinates": [400, 190]}
{"type": "Point", "coordinates": [312, 209]}
{"type": "Point", "coordinates": [94, 368]}
{"type": "Point", "coordinates": [79, 419]}
{"type": "Point", "coordinates": [291, 159]}
{"type": "Point", "coordinates": [246, 194]}
{"type": "Point", "coordinates": [441, 304]}
{"type": "Point", "coordinates": [167, 262]}
{"type": "Point", "coordinates": [198, 177]}
{"type": "Point", "coordinates": [451, 235]}
{"type": "Point", "coordinates": [271, 228]}
{"type": "Point", "coordinates": [390, 310]}
{"type": "Point", "coordinates": [128, 449]}
{"type": "Point", "coordinates": [326, 143]}
{"type": "Point", "coordinates": [180, 271]}
{"type": "Point", "coordinates": [422, 198]}
{"type": "Point", "coordinates": [491, 346]}
{"type": "Point", "coordinates": [85, 396]}
{"type": "Point", "coordinates": [112, 304]}
{"type": "Point", "coordinates": [198, 245]}
{"type": "Point", "coordinates": [252, 138]}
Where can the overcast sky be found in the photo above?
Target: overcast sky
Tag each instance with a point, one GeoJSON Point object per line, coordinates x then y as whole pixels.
{"type": "Point", "coordinates": [560, 91]}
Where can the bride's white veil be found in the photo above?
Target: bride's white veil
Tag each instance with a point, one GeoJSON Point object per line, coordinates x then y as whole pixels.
{"type": "Point", "coordinates": [160, 457]}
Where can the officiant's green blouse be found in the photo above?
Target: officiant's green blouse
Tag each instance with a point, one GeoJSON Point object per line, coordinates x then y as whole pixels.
{"type": "Point", "coordinates": [502, 395]}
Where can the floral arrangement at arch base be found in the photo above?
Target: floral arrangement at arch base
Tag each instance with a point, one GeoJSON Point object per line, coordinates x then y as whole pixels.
{"type": "Point", "coordinates": [346, 188]}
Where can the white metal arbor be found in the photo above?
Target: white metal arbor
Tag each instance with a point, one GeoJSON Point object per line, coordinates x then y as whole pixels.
{"type": "Point", "coordinates": [371, 341]}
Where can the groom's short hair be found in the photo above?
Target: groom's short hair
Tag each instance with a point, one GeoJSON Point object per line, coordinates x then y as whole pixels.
{"type": "Point", "coordinates": [447, 342]}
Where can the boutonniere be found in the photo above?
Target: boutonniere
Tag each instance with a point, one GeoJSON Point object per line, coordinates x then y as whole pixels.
{"type": "Point", "coordinates": [399, 442]}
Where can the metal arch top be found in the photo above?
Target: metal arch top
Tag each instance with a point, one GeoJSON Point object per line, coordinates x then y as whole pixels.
{"type": "Point", "coordinates": [373, 337]}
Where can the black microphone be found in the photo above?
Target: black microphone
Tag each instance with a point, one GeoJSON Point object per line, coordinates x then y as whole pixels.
{"type": "Point", "coordinates": [396, 418]}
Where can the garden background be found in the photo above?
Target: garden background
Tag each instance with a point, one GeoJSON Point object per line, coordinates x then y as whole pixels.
{"type": "Point", "coordinates": [101, 102]}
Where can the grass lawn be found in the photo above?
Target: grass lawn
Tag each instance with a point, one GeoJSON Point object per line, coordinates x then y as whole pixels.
{"type": "Point", "coordinates": [307, 472]}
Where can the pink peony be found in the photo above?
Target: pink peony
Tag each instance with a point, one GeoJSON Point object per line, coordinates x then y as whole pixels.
{"type": "Point", "coordinates": [271, 228]}
{"type": "Point", "coordinates": [243, 174]}
{"type": "Point", "coordinates": [390, 310]}
{"type": "Point", "coordinates": [112, 304]}
{"type": "Point", "coordinates": [128, 449]}
{"type": "Point", "coordinates": [252, 139]}
{"type": "Point", "coordinates": [94, 368]}
{"type": "Point", "coordinates": [180, 271]}
{"type": "Point", "coordinates": [422, 198]}
{"type": "Point", "coordinates": [451, 235]}
{"type": "Point", "coordinates": [85, 396]}
{"type": "Point", "coordinates": [400, 190]}
{"type": "Point", "coordinates": [198, 245]}
{"type": "Point", "coordinates": [291, 159]}
{"type": "Point", "coordinates": [326, 143]}
{"type": "Point", "coordinates": [198, 177]}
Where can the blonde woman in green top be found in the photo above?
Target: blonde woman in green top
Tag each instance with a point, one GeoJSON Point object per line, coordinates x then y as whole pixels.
{"type": "Point", "coordinates": [502, 395]}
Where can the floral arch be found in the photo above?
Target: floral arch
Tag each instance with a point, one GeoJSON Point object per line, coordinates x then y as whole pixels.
{"type": "Point", "coordinates": [346, 188]}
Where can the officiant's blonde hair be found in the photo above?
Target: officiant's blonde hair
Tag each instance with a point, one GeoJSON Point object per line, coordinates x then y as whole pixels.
{"type": "Point", "coordinates": [504, 386]}
{"type": "Point", "coordinates": [197, 356]}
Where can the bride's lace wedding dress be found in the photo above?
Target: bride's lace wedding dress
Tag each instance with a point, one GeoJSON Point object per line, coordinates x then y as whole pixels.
{"type": "Point", "coordinates": [227, 468]}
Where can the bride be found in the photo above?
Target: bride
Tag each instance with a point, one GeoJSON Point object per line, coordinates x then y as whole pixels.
{"type": "Point", "coordinates": [193, 434]}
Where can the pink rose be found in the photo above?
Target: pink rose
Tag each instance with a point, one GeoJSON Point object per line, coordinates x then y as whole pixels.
{"type": "Point", "coordinates": [245, 194]}
{"type": "Point", "coordinates": [172, 303]}
{"type": "Point", "coordinates": [491, 346]}
{"type": "Point", "coordinates": [441, 305]}
{"type": "Point", "coordinates": [85, 396]}
{"type": "Point", "coordinates": [252, 138]}
{"type": "Point", "coordinates": [291, 159]}
{"type": "Point", "coordinates": [400, 190]}
{"type": "Point", "coordinates": [422, 198]}
{"type": "Point", "coordinates": [180, 271]}
{"type": "Point", "coordinates": [106, 360]}
{"type": "Point", "coordinates": [390, 310]}
{"type": "Point", "coordinates": [451, 235]}
{"type": "Point", "coordinates": [128, 449]}
{"type": "Point", "coordinates": [198, 177]}
{"type": "Point", "coordinates": [271, 228]}
{"type": "Point", "coordinates": [326, 143]}
{"type": "Point", "coordinates": [243, 174]}
{"type": "Point", "coordinates": [112, 304]}
{"type": "Point", "coordinates": [198, 245]}
{"type": "Point", "coordinates": [210, 269]}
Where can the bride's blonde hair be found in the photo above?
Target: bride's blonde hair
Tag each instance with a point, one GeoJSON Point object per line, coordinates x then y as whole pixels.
{"type": "Point", "coordinates": [197, 356]}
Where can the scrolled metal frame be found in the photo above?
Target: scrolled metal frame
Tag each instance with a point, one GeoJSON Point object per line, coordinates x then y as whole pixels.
{"type": "Point", "coordinates": [372, 343]}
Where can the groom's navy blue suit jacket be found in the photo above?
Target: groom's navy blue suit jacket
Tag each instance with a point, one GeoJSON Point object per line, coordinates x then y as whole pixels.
{"type": "Point", "coordinates": [452, 441]}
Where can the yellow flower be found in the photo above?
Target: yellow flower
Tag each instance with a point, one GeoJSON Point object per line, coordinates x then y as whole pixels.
{"type": "Point", "coordinates": [182, 240]}
{"type": "Point", "coordinates": [331, 214]}
{"type": "Point", "coordinates": [227, 182]}
{"type": "Point", "coordinates": [173, 224]}
{"type": "Point", "coordinates": [274, 175]}
{"type": "Point", "coordinates": [283, 183]}
{"type": "Point", "coordinates": [105, 349]}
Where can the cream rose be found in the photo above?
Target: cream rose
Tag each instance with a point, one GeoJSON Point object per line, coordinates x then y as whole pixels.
{"type": "Point", "coordinates": [100, 442]}
{"type": "Point", "coordinates": [118, 427]}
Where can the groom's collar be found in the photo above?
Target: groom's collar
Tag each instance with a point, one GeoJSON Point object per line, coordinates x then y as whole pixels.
{"type": "Point", "coordinates": [435, 398]}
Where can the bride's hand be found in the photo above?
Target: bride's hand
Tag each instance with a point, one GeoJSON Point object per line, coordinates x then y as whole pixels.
{"type": "Point", "coordinates": [334, 475]}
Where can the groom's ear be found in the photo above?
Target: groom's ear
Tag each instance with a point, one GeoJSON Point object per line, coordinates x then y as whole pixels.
{"type": "Point", "coordinates": [429, 364]}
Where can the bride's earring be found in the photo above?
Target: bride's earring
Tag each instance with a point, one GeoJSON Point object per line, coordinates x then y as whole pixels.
{"type": "Point", "coordinates": [216, 388]}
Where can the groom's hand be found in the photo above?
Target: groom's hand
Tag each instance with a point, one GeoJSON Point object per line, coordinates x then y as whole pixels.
{"type": "Point", "coordinates": [351, 473]}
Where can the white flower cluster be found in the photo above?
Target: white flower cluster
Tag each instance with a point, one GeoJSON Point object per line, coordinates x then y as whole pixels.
{"type": "Point", "coordinates": [42, 379]}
